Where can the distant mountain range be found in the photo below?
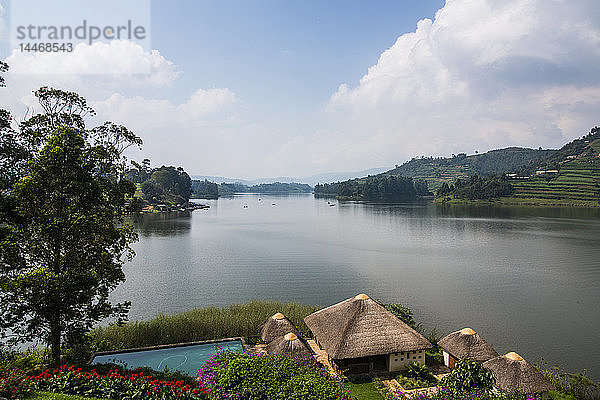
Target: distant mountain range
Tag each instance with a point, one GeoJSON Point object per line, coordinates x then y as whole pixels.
{"type": "Point", "coordinates": [310, 180]}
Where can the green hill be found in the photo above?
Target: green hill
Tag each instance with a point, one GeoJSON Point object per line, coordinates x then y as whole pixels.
{"type": "Point", "coordinates": [569, 176]}
{"type": "Point", "coordinates": [439, 170]}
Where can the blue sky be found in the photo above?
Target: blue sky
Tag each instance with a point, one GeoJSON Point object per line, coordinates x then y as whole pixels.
{"type": "Point", "coordinates": [276, 53]}
{"type": "Point", "coordinates": [292, 88]}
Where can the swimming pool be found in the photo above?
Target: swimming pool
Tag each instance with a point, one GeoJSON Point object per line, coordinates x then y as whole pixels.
{"type": "Point", "coordinates": [186, 358]}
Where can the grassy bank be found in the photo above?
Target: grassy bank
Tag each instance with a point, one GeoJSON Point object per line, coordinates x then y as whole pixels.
{"type": "Point", "coordinates": [521, 201]}
{"type": "Point", "coordinates": [199, 324]}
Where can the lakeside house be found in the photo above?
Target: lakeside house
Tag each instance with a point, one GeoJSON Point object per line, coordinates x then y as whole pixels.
{"type": "Point", "coordinates": [290, 344]}
{"type": "Point", "coordinates": [276, 326]}
{"type": "Point", "coordinates": [465, 343]}
{"type": "Point", "coordinates": [359, 334]}
{"type": "Point", "coordinates": [513, 373]}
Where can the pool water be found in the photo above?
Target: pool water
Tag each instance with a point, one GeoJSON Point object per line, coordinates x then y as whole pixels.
{"type": "Point", "coordinates": [187, 359]}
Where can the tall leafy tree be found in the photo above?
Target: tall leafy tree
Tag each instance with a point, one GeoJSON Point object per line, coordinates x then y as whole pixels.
{"type": "Point", "coordinates": [63, 240]}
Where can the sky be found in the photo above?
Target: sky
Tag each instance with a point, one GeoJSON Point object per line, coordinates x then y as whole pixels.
{"type": "Point", "coordinates": [259, 88]}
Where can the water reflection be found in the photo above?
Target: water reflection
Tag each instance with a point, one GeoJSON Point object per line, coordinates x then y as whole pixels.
{"type": "Point", "coordinates": [162, 224]}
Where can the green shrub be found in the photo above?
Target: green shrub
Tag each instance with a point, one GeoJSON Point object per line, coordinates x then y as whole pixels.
{"type": "Point", "coordinates": [416, 376]}
{"type": "Point", "coordinates": [244, 376]}
{"type": "Point", "coordinates": [556, 395]}
{"type": "Point", "coordinates": [579, 386]}
{"type": "Point", "coordinates": [434, 357]}
{"type": "Point", "coordinates": [30, 361]}
{"type": "Point", "coordinates": [57, 396]}
{"type": "Point", "coordinates": [416, 370]}
{"type": "Point", "coordinates": [413, 383]}
{"type": "Point", "coordinates": [198, 324]}
{"type": "Point", "coordinates": [404, 314]}
{"type": "Point", "coordinates": [468, 375]}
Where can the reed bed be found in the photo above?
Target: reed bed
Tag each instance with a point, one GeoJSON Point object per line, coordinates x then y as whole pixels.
{"type": "Point", "coordinates": [199, 324]}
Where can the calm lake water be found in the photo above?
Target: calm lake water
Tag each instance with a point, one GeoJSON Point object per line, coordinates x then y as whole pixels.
{"type": "Point", "coordinates": [527, 279]}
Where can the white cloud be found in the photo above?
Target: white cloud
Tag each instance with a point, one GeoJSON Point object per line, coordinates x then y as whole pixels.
{"type": "Point", "coordinates": [114, 63]}
{"type": "Point", "coordinates": [202, 107]}
{"type": "Point", "coordinates": [483, 74]}
{"type": "Point", "coordinates": [201, 129]}
{"type": "Point", "coordinates": [106, 75]}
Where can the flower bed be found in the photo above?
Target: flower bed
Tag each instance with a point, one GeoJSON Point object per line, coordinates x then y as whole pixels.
{"type": "Point", "coordinates": [113, 385]}
{"type": "Point", "coordinates": [12, 385]}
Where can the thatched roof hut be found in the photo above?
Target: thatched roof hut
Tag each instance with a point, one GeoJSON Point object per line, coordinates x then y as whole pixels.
{"type": "Point", "coordinates": [467, 343]}
{"type": "Point", "coordinates": [513, 373]}
{"type": "Point", "coordinates": [276, 326]}
{"type": "Point", "coordinates": [289, 344]}
{"type": "Point", "coordinates": [360, 327]}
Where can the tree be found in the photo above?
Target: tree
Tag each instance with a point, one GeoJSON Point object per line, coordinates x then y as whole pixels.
{"type": "Point", "coordinates": [404, 314]}
{"type": "Point", "coordinates": [168, 185]}
{"type": "Point", "coordinates": [63, 239]}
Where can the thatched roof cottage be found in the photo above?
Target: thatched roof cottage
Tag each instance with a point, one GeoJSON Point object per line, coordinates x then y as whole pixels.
{"type": "Point", "coordinates": [465, 343]}
{"type": "Point", "coordinates": [513, 373]}
{"type": "Point", "coordinates": [361, 335]}
{"type": "Point", "coordinates": [290, 344]}
{"type": "Point", "coordinates": [276, 326]}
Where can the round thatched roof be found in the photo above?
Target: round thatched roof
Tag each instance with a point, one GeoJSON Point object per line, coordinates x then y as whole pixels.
{"type": "Point", "coordinates": [275, 326]}
{"type": "Point", "coordinates": [360, 327]}
{"type": "Point", "coordinates": [513, 373]}
{"type": "Point", "coordinates": [467, 343]}
{"type": "Point", "coordinates": [289, 344]}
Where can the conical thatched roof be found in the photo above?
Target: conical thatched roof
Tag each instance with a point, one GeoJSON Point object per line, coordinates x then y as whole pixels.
{"type": "Point", "coordinates": [515, 374]}
{"type": "Point", "coordinates": [275, 326]}
{"type": "Point", "coordinates": [289, 344]}
{"type": "Point", "coordinates": [467, 343]}
{"type": "Point", "coordinates": [360, 327]}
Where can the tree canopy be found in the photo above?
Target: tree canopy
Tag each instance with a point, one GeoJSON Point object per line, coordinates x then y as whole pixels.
{"type": "Point", "coordinates": [62, 237]}
{"type": "Point", "coordinates": [166, 185]}
{"type": "Point", "coordinates": [379, 187]}
{"type": "Point", "coordinates": [477, 188]}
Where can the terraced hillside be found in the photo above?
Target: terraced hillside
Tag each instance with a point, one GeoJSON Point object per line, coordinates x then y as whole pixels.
{"type": "Point", "coordinates": [439, 170]}
{"type": "Point", "coordinates": [578, 179]}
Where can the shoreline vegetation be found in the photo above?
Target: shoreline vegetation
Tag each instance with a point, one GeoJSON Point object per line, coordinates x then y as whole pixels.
{"type": "Point", "coordinates": [568, 177]}
{"type": "Point", "coordinates": [519, 202]}
{"type": "Point", "coordinates": [205, 189]}
{"type": "Point", "coordinates": [209, 323]}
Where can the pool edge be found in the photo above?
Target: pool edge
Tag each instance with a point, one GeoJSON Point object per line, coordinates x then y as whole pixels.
{"type": "Point", "coordinates": [167, 346]}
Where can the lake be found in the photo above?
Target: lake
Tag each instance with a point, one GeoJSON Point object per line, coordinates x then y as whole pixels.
{"type": "Point", "coordinates": [526, 279]}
